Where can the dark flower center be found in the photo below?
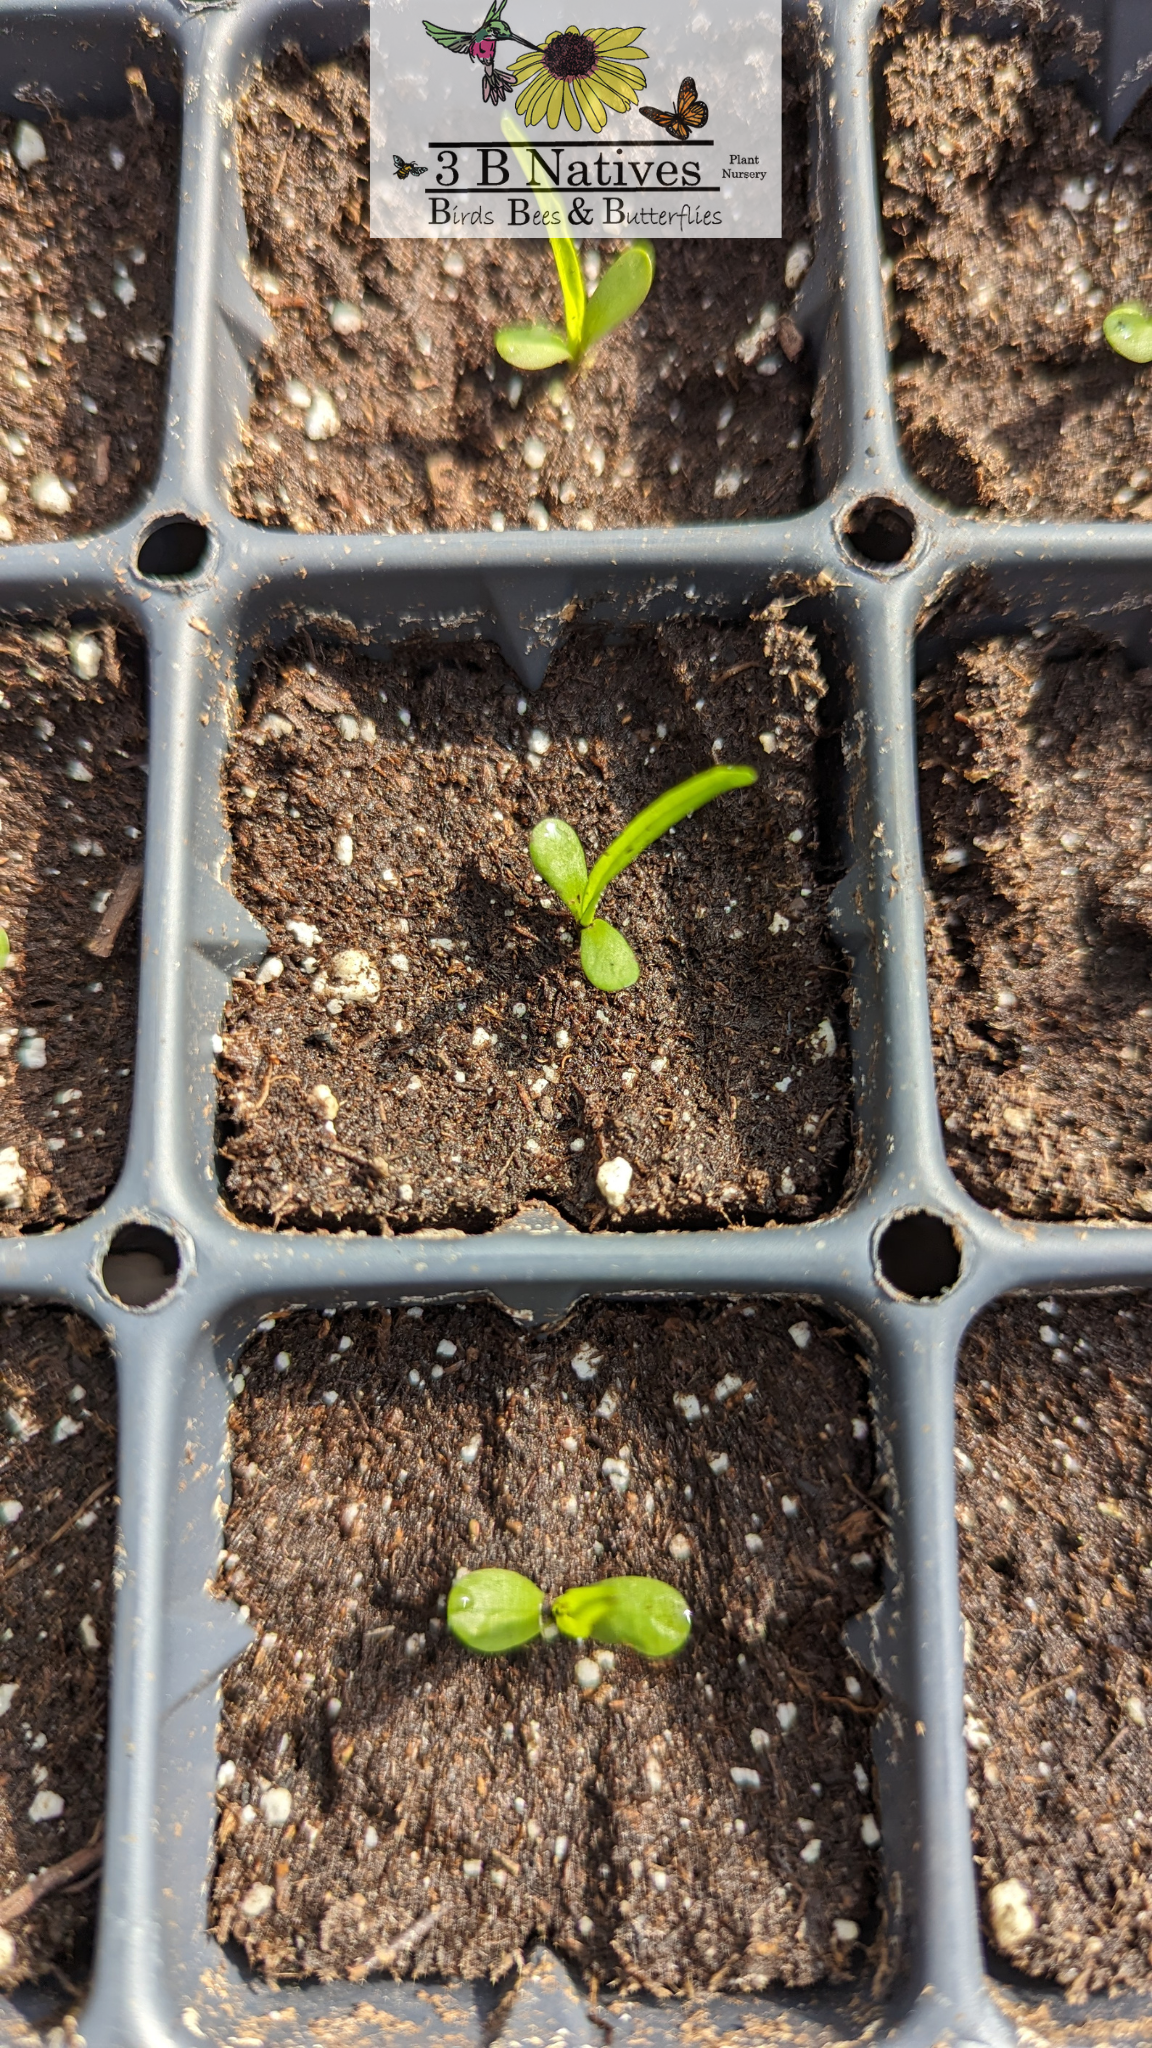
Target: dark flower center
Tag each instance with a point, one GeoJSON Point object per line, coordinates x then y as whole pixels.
{"type": "Point", "coordinates": [570, 56]}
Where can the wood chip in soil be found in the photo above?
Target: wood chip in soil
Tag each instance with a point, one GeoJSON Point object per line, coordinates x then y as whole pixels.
{"type": "Point", "coordinates": [1034, 759]}
{"type": "Point", "coordinates": [490, 1072]}
{"type": "Point", "coordinates": [438, 1811]}
{"type": "Point", "coordinates": [1053, 1444]}
{"type": "Point", "coordinates": [87, 253]}
{"type": "Point", "coordinates": [696, 409]}
{"type": "Point", "coordinates": [72, 789]}
{"type": "Point", "coordinates": [58, 1521]}
{"type": "Point", "coordinates": [1015, 225]}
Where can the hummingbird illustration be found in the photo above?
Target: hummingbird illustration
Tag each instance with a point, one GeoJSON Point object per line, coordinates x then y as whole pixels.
{"type": "Point", "coordinates": [479, 46]}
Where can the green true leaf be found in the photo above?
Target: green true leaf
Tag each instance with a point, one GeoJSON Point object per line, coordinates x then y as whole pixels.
{"type": "Point", "coordinates": [607, 958]}
{"type": "Point", "coordinates": [621, 291]}
{"type": "Point", "coordinates": [493, 1610]}
{"type": "Point", "coordinates": [571, 280]}
{"type": "Point", "coordinates": [557, 855]}
{"type": "Point", "coordinates": [1128, 329]}
{"type": "Point", "coordinates": [653, 821]}
{"type": "Point", "coordinates": [532, 348]}
{"type": "Point", "coordinates": [5, 949]}
{"type": "Point", "coordinates": [563, 247]}
{"type": "Point", "coordinates": [646, 1613]}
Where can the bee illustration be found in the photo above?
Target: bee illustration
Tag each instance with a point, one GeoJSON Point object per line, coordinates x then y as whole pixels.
{"type": "Point", "coordinates": [690, 112]}
{"type": "Point", "coordinates": [404, 170]}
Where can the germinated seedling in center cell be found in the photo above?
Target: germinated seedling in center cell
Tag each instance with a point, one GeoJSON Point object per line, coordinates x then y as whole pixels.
{"type": "Point", "coordinates": [557, 856]}
{"type": "Point", "coordinates": [492, 1610]}
{"type": "Point", "coordinates": [621, 291]}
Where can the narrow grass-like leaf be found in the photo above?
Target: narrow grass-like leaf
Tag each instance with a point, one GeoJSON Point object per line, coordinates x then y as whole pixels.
{"type": "Point", "coordinates": [563, 247]}
{"type": "Point", "coordinates": [624, 286]}
{"type": "Point", "coordinates": [1128, 329]}
{"type": "Point", "coordinates": [492, 1610]}
{"type": "Point", "coordinates": [607, 958]}
{"type": "Point", "coordinates": [557, 855]}
{"type": "Point", "coordinates": [571, 284]}
{"type": "Point", "coordinates": [654, 820]}
{"type": "Point", "coordinates": [532, 348]}
{"type": "Point", "coordinates": [5, 949]}
{"type": "Point", "coordinates": [650, 1615]}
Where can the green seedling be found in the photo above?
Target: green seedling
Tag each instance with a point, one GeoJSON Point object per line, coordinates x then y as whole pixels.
{"type": "Point", "coordinates": [490, 1611]}
{"type": "Point", "coordinates": [646, 1613]}
{"type": "Point", "coordinates": [558, 857]}
{"type": "Point", "coordinates": [5, 949]}
{"type": "Point", "coordinates": [1128, 329]}
{"type": "Point", "coordinates": [622, 289]}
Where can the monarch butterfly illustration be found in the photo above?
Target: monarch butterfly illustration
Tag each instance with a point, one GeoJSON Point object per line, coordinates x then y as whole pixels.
{"type": "Point", "coordinates": [690, 112]}
{"type": "Point", "coordinates": [404, 170]}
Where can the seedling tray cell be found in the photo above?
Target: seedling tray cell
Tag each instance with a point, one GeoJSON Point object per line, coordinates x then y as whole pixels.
{"type": "Point", "coordinates": [906, 1262]}
{"type": "Point", "coordinates": [617, 1808]}
{"type": "Point", "coordinates": [59, 1518]}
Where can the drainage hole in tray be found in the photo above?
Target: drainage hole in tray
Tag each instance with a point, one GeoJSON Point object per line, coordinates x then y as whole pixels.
{"type": "Point", "coordinates": [175, 549]}
{"type": "Point", "coordinates": [879, 530]}
{"type": "Point", "coordinates": [140, 1265]}
{"type": "Point", "coordinates": [920, 1255]}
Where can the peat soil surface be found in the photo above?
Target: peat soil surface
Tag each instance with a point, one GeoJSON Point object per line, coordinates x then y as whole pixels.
{"type": "Point", "coordinates": [1014, 226]}
{"type": "Point", "coordinates": [380, 816]}
{"type": "Point", "coordinates": [697, 409]}
{"type": "Point", "coordinates": [1053, 1443]}
{"type": "Point", "coordinates": [1034, 777]}
{"type": "Point", "coordinates": [87, 253]}
{"type": "Point", "coordinates": [390, 1801]}
{"type": "Point", "coordinates": [58, 1521]}
{"type": "Point", "coordinates": [72, 792]}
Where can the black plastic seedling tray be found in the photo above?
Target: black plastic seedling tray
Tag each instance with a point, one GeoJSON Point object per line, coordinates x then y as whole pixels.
{"type": "Point", "coordinates": [157, 1975]}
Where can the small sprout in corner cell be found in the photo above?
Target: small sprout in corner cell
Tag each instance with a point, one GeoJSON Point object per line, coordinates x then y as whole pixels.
{"type": "Point", "coordinates": [1128, 329]}
{"type": "Point", "coordinates": [622, 289]}
{"type": "Point", "coordinates": [5, 949]}
{"type": "Point", "coordinates": [557, 855]}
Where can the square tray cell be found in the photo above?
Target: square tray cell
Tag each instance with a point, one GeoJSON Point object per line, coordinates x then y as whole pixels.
{"type": "Point", "coordinates": [72, 792]}
{"type": "Point", "coordinates": [1033, 778]}
{"type": "Point", "coordinates": [1014, 225]}
{"type": "Point", "coordinates": [1052, 1446]}
{"type": "Point", "coordinates": [87, 255]}
{"type": "Point", "coordinates": [697, 409]}
{"type": "Point", "coordinates": [391, 1801]}
{"type": "Point", "coordinates": [58, 1522]}
{"type": "Point", "coordinates": [424, 977]}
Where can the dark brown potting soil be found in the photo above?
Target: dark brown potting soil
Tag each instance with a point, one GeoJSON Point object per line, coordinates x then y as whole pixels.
{"type": "Point", "coordinates": [445, 1808]}
{"type": "Point", "coordinates": [490, 1071]}
{"type": "Point", "coordinates": [685, 414]}
{"type": "Point", "coordinates": [83, 377]}
{"type": "Point", "coordinates": [1015, 226]}
{"type": "Point", "coordinates": [1053, 1446]}
{"type": "Point", "coordinates": [72, 788]}
{"type": "Point", "coordinates": [57, 1532]}
{"type": "Point", "coordinates": [1034, 760]}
